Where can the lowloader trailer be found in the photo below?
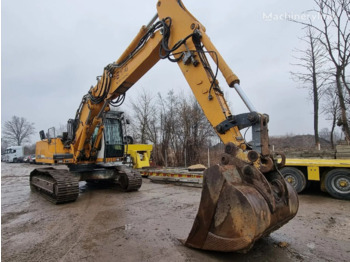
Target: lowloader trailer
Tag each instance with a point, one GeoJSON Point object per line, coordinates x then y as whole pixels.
{"type": "Point", "coordinates": [333, 174]}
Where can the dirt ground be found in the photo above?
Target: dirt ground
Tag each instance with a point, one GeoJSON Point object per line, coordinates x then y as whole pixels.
{"type": "Point", "coordinates": [105, 224]}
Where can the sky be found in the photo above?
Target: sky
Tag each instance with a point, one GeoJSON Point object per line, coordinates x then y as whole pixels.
{"type": "Point", "coordinates": [52, 51]}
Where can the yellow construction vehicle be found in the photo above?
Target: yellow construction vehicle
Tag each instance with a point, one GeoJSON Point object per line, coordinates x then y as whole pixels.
{"type": "Point", "coordinates": [243, 198]}
{"type": "Point", "coordinates": [49, 149]}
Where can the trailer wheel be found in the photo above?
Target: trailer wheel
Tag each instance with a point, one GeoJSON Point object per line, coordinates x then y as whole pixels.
{"type": "Point", "coordinates": [295, 177]}
{"type": "Point", "coordinates": [337, 183]}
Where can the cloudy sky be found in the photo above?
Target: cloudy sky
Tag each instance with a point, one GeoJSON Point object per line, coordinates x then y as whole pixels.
{"type": "Point", "coordinates": [53, 50]}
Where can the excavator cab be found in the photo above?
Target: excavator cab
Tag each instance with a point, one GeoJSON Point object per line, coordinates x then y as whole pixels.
{"type": "Point", "coordinates": [113, 140]}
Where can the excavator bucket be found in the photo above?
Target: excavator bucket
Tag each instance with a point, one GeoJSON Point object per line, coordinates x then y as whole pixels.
{"type": "Point", "coordinates": [239, 205]}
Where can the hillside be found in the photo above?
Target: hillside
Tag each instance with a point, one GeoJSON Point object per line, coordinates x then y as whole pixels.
{"type": "Point", "coordinates": [302, 146]}
{"type": "Point", "coordinates": [298, 142]}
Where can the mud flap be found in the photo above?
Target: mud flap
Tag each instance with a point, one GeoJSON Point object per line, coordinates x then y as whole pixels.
{"type": "Point", "coordinates": [240, 205]}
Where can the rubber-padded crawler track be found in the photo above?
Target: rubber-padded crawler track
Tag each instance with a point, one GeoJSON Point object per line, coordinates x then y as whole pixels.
{"type": "Point", "coordinates": [66, 186]}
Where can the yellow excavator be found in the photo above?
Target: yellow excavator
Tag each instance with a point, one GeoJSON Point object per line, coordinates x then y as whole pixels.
{"type": "Point", "coordinates": [243, 198]}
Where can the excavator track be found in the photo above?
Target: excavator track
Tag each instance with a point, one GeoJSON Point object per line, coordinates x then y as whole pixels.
{"type": "Point", "coordinates": [129, 179]}
{"type": "Point", "coordinates": [56, 185]}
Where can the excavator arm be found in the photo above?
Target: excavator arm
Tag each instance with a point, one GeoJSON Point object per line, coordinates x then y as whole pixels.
{"type": "Point", "coordinates": [244, 197]}
{"type": "Point", "coordinates": [182, 39]}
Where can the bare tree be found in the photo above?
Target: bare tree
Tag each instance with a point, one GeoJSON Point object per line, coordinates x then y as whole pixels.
{"type": "Point", "coordinates": [144, 113]}
{"type": "Point", "coordinates": [175, 125]}
{"type": "Point", "coordinates": [4, 144]}
{"type": "Point", "coordinates": [331, 109]}
{"type": "Point", "coordinates": [167, 126]}
{"type": "Point", "coordinates": [312, 76]}
{"type": "Point", "coordinates": [18, 130]}
{"type": "Point", "coordinates": [194, 130]}
{"type": "Point", "coordinates": [325, 134]}
{"type": "Point", "coordinates": [145, 123]}
{"type": "Point", "coordinates": [335, 38]}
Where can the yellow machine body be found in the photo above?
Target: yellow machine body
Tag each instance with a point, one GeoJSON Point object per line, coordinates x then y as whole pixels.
{"type": "Point", "coordinates": [52, 151]}
{"type": "Point", "coordinates": [140, 154]}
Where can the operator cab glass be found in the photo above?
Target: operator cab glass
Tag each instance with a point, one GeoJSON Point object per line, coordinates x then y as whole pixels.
{"type": "Point", "coordinates": [113, 135]}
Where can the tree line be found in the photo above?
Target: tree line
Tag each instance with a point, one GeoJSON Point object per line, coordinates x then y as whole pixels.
{"type": "Point", "coordinates": [322, 65]}
{"type": "Point", "coordinates": [175, 125]}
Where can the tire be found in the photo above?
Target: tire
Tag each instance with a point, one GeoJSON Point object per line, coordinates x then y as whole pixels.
{"type": "Point", "coordinates": [295, 177]}
{"type": "Point", "coordinates": [337, 183]}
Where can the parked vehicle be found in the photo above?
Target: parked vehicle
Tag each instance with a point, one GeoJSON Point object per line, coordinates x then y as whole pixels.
{"type": "Point", "coordinates": [13, 154]}
{"type": "Point", "coordinates": [31, 159]}
{"type": "Point", "coordinates": [26, 159]}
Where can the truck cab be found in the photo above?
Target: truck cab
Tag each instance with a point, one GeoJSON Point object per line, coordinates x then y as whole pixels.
{"type": "Point", "coordinates": [13, 154]}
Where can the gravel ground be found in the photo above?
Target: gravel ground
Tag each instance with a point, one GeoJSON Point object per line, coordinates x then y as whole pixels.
{"type": "Point", "coordinates": [105, 224]}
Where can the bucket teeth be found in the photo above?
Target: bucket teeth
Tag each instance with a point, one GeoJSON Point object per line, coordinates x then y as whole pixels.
{"type": "Point", "coordinates": [239, 205]}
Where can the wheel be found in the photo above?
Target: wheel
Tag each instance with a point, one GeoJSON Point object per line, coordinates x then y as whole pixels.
{"type": "Point", "coordinates": [337, 183]}
{"type": "Point", "coordinates": [295, 177]}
